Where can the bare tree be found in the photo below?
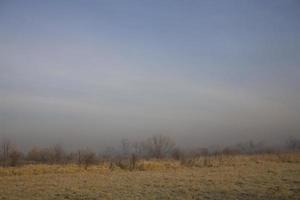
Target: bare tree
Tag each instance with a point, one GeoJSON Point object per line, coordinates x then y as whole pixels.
{"type": "Point", "coordinates": [137, 148]}
{"type": "Point", "coordinates": [9, 154]}
{"type": "Point", "coordinates": [86, 158]}
{"type": "Point", "coordinates": [293, 144]}
{"type": "Point", "coordinates": [14, 157]}
{"type": "Point", "coordinates": [160, 146]}
{"type": "Point", "coordinates": [5, 150]}
{"type": "Point", "coordinates": [58, 153]}
{"type": "Point", "coordinates": [133, 161]}
{"type": "Point", "coordinates": [34, 155]}
{"type": "Point", "coordinates": [177, 154]}
{"type": "Point", "coordinates": [250, 147]}
{"type": "Point", "coordinates": [125, 147]}
{"type": "Point", "coordinates": [41, 155]}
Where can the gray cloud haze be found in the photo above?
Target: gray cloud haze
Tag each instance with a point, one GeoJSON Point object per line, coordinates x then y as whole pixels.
{"type": "Point", "coordinates": [203, 72]}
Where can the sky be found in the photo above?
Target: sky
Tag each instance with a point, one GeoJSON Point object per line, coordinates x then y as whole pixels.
{"type": "Point", "coordinates": [207, 72]}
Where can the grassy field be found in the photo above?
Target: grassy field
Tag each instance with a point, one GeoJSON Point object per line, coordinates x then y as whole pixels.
{"type": "Point", "coordinates": [222, 177]}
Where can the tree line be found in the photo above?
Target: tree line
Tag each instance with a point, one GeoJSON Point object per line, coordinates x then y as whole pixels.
{"type": "Point", "coordinates": [126, 156]}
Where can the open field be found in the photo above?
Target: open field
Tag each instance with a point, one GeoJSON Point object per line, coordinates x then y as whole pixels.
{"type": "Point", "coordinates": [222, 177]}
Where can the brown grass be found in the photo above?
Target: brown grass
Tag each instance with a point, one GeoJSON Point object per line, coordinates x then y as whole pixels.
{"type": "Point", "coordinates": [275, 176]}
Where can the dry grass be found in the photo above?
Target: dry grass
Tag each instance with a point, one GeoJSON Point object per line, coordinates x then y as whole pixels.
{"type": "Point", "coordinates": [222, 177]}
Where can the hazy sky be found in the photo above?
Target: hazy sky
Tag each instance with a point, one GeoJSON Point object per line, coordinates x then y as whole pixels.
{"type": "Point", "coordinates": [204, 71]}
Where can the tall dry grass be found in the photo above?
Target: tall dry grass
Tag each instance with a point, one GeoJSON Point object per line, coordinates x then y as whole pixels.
{"type": "Point", "coordinates": [155, 164]}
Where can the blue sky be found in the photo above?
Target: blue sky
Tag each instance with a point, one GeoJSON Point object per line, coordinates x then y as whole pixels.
{"type": "Point", "coordinates": [203, 72]}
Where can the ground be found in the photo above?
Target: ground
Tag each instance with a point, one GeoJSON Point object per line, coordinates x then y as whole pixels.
{"type": "Point", "coordinates": [234, 177]}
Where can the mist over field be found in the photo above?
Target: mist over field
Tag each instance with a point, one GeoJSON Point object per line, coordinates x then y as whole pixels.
{"type": "Point", "coordinates": [150, 99]}
{"type": "Point", "coordinates": [205, 73]}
